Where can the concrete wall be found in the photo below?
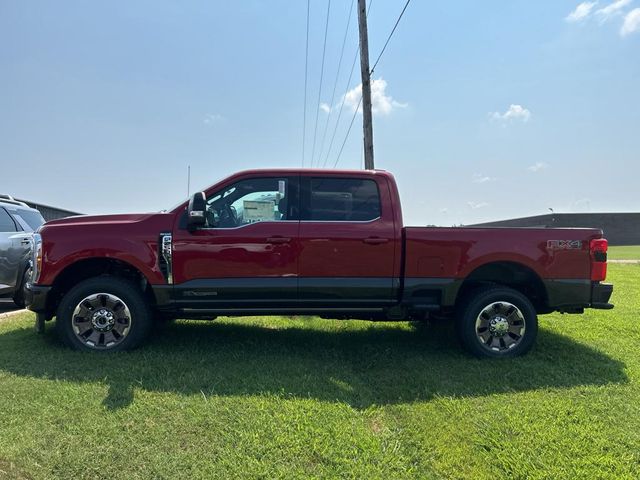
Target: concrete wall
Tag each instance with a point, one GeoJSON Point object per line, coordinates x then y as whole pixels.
{"type": "Point", "coordinates": [618, 228]}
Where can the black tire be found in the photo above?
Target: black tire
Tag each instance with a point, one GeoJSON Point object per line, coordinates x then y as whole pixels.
{"type": "Point", "coordinates": [479, 340]}
{"type": "Point", "coordinates": [139, 314]}
{"type": "Point", "coordinates": [19, 296]}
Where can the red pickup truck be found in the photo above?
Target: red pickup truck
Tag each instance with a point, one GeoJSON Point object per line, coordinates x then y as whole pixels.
{"type": "Point", "coordinates": [307, 242]}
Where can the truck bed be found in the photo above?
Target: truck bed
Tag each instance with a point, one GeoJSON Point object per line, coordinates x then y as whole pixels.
{"type": "Point", "coordinates": [437, 260]}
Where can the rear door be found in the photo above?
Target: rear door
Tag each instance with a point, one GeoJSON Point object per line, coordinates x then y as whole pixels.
{"type": "Point", "coordinates": [347, 248]}
{"type": "Point", "coordinates": [13, 245]}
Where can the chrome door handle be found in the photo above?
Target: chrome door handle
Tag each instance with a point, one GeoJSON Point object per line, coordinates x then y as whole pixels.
{"type": "Point", "coordinates": [278, 240]}
{"type": "Point", "coordinates": [375, 240]}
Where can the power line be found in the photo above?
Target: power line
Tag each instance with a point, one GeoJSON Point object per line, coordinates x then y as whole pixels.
{"type": "Point", "coordinates": [371, 72]}
{"type": "Point", "coordinates": [344, 97]}
{"type": "Point", "coordinates": [306, 70]}
{"type": "Point", "coordinates": [389, 37]}
{"type": "Point", "coordinates": [346, 137]}
{"type": "Point", "coordinates": [335, 83]}
{"type": "Point", "coordinates": [324, 49]}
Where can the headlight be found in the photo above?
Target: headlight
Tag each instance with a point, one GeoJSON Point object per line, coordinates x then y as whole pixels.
{"type": "Point", "coordinates": [36, 257]}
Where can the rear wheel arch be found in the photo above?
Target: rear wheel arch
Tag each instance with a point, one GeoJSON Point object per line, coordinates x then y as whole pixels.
{"type": "Point", "coordinates": [507, 274]}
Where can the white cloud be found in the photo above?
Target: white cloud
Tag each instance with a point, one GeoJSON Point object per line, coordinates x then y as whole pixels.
{"type": "Point", "coordinates": [581, 12]}
{"type": "Point", "coordinates": [514, 112]}
{"type": "Point", "coordinates": [631, 22]}
{"type": "Point", "coordinates": [612, 9]}
{"type": "Point", "coordinates": [537, 167]}
{"type": "Point", "coordinates": [211, 118]}
{"type": "Point", "coordinates": [325, 107]}
{"type": "Point", "coordinates": [444, 211]}
{"type": "Point", "coordinates": [381, 103]}
{"type": "Point", "coordinates": [479, 178]}
{"type": "Point", "coordinates": [475, 206]}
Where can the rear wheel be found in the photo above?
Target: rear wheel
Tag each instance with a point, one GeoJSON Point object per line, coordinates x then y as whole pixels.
{"type": "Point", "coordinates": [103, 314]}
{"type": "Point", "coordinates": [497, 322]}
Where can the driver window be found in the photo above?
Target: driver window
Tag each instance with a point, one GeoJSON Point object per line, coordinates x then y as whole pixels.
{"type": "Point", "coordinates": [248, 201]}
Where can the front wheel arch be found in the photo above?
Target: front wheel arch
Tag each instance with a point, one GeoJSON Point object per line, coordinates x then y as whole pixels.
{"type": "Point", "coordinates": [95, 267]}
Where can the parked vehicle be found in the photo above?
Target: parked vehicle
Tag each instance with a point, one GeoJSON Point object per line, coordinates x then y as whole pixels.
{"type": "Point", "coordinates": [18, 221]}
{"type": "Point", "coordinates": [316, 242]}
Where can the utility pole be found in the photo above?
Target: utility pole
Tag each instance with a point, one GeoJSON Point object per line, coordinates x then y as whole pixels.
{"type": "Point", "coordinates": [367, 121]}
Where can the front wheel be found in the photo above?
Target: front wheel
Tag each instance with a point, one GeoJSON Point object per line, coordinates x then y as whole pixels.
{"type": "Point", "coordinates": [103, 314]}
{"type": "Point", "coordinates": [497, 322]}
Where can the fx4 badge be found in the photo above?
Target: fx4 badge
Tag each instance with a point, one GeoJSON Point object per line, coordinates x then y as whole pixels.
{"type": "Point", "coordinates": [564, 244]}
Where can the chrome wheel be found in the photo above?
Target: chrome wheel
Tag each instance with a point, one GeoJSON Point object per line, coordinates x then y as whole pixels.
{"type": "Point", "coordinates": [101, 321]}
{"type": "Point", "coordinates": [500, 326]}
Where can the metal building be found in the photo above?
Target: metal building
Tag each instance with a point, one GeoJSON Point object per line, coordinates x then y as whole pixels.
{"type": "Point", "coordinates": [618, 228]}
{"type": "Point", "coordinates": [49, 212]}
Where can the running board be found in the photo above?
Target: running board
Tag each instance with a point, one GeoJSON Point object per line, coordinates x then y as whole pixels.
{"type": "Point", "coordinates": [274, 311]}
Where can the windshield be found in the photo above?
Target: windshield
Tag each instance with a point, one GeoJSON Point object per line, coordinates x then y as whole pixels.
{"type": "Point", "coordinates": [29, 220]}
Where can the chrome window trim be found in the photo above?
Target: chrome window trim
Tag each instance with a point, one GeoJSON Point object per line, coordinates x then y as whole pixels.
{"type": "Point", "coordinates": [247, 225]}
{"type": "Point", "coordinates": [343, 221]}
{"type": "Point", "coordinates": [299, 221]}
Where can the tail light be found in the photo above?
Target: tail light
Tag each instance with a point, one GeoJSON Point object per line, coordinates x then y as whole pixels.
{"type": "Point", "coordinates": [598, 251]}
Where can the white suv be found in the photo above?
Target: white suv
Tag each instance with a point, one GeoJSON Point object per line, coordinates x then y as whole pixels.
{"type": "Point", "coordinates": [18, 222]}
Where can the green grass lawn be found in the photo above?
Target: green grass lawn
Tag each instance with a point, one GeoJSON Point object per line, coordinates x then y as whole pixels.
{"type": "Point", "coordinates": [624, 253]}
{"type": "Point", "coordinates": [274, 397]}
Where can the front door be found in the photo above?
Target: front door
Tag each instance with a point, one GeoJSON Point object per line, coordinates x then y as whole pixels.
{"type": "Point", "coordinates": [247, 254]}
{"type": "Point", "coordinates": [347, 242]}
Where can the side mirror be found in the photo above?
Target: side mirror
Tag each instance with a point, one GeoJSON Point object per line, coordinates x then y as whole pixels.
{"type": "Point", "coordinates": [196, 211]}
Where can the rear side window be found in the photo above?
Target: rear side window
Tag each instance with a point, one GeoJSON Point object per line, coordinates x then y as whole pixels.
{"type": "Point", "coordinates": [6, 222]}
{"type": "Point", "coordinates": [342, 200]}
{"type": "Point", "coordinates": [29, 220]}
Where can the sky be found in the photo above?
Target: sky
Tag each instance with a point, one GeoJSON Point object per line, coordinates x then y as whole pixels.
{"type": "Point", "coordinates": [482, 110]}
